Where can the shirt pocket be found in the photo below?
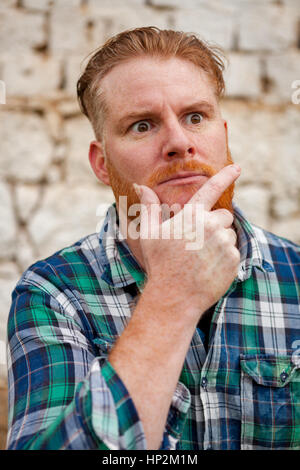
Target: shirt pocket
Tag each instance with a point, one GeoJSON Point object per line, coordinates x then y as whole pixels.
{"type": "Point", "coordinates": [270, 402]}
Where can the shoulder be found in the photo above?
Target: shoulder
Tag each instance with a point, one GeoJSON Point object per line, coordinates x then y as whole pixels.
{"type": "Point", "coordinates": [276, 247]}
{"type": "Point", "coordinates": [82, 258]}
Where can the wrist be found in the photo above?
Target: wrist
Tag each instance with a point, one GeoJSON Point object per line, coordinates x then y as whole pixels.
{"type": "Point", "coordinates": [172, 300]}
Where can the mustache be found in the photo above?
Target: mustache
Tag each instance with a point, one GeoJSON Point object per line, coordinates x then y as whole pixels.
{"type": "Point", "coordinates": [161, 174]}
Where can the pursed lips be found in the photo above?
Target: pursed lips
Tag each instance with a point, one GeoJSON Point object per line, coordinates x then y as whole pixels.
{"type": "Point", "coordinates": [184, 178]}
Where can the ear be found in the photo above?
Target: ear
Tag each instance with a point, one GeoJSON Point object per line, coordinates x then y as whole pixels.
{"type": "Point", "coordinates": [98, 162]}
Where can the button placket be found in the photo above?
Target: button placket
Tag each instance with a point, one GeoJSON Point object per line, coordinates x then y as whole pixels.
{"type": "Point", "coordinates": [206, 411]}
{"type": "Point", "coordinates": [283, 376]}
{"type": "Point", "coordinates": [204, 382]}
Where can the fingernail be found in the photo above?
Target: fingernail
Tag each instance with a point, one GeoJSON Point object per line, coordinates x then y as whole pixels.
{"type": "Point", "coordinates": [137, 189]}
{"type": "Point", "coordinates": [237, 168]}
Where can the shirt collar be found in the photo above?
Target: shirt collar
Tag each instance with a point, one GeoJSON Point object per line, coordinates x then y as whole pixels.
{"type": "Point", "coordinates": [120, 266]}
{"type": "Point", "coordinates": [122, 269]}
{"type": "Point", "coordinates": [251, 248]}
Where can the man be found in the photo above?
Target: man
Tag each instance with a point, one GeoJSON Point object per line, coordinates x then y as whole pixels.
{"type": "Point", "coordinates": [138, 342]}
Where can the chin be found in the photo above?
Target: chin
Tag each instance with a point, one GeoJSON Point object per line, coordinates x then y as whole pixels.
{"type": "Point", "coordinates": [177, 195]}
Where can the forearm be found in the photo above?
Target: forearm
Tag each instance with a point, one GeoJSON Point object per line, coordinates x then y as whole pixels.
{"type": "Point", "coordinates": [150, 353]}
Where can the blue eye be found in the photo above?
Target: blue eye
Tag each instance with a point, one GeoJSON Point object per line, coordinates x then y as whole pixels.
{"type": "Point", "coordinates": [194, 118]}
{"type": "Point", "coordinates": [141, 126]}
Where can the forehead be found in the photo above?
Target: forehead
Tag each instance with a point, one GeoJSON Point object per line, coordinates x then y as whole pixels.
{"type": "Point", "coordinates": [146, 81]}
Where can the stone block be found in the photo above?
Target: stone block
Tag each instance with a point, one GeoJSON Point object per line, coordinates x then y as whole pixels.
{"type": "Point", "coordinates": [252, 132]}
{"type": "Point", "coordinates": [8, 226]}
{"type": "Point", "coordinates": [21, 31]}
{"type": "Point", "coordinates": [268, 27]}
{"type": "Point", "coordinates": [55, 174]}
{"type": "Point", "coordinates": [3, 359]}
{"type": "Point", "coordinates": [68, 29]}
{"type": "Point", "coordinates": [31, 75]}
{"type": "Point", "coordinates": [251, 197]}
{"type": "Point", "coordinates": [265, 142]}
{"type": "Point", "coordinates": [212, 26]}
{"type": "Point", "coordinates": [8, 3]}
{"type": "Point", "coordinates": [282, 70]}
{"type": "Point", "coordinates": [68, 212]}
{"type": "Point", "coordinates": [115, 3]}
{"type": "Point", "coordinates": [108, 22]}
{"type": "Point", "coordinates": [285, 203]}
{"type": "Point", "coordinates": [174, 4]}
{"type": "Point", "coordinates": [79, 31]}
{"type": "Point", "coordinates": [68, 108]}
{"type": "Point", "coordinates": [79, 134]}
{"type": "Point", "coordinates": [242, 77]}
{"type": "Point", "coordinates": [288, 227]}
{"type": "Point", "coordinates": [8, 270]}
{"type": "Point", "coordinates": [27, 199]}
{"type": "Point", "coordinates": [74, 67]}
{"type": "Point", "coordinates": [26, 254]}
{"type": "Point", "coordinates": [9, 276]}
{"type": "Point", "coordinates": [54, 123]}
{"type": "Point", "coordinates": [286, 144]}
{"type": "Point", "coordinates": [26, 148]}
{"type": "Point", "coordinates": [42, 5]}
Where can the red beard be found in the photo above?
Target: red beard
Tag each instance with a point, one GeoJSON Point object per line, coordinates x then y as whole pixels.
{"type": "Point", "coordinates": [123, 187]}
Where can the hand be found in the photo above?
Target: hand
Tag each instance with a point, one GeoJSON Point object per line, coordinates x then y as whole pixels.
{"type": "Point", "coordinates": [201, 277]}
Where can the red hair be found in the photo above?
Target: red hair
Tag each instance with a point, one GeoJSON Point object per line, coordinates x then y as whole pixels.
{"type": "Point", "coordinates": [149, 41]}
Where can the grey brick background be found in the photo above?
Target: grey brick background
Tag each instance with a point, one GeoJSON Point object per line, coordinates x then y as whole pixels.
{"type": "Point", "coordinates": [48, 193]}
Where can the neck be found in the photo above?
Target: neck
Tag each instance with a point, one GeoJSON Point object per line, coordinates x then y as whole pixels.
{"type": "Point", "coordinates": [133, 243]}
{"type": "Point", "coordinates": [136, 249]}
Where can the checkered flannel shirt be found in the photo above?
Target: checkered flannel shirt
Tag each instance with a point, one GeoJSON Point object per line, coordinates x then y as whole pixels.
{"type": "Point", "coordinates": [68, 310]}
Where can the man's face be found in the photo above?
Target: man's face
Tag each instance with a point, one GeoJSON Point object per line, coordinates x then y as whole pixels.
{"type": "Point", "coordinates": [163, 118]}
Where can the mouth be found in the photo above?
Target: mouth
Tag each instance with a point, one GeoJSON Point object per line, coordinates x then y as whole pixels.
{"type": "Point", "coordinates": [185, 178]}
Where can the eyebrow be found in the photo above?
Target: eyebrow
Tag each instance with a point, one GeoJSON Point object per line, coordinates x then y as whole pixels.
{"type": "Point", "coordinates": [149, 112]}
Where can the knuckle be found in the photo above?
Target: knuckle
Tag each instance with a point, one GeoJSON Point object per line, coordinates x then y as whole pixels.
{"type": "Point", "coordinates": [221, 237]}
{"type": "Point", "coordinates": [211, 225]}
{"type": "Point", "coordinates": [228, 214]}
{"type": "Point", "coordinates": [232, 234]}
{"type": "Point", "coordinates": [236, 257]}
{"type": "Point", "coordinates": [223, 211]}
{"type": "Point", "coordinates": [226, 238]}
{"type": "Point", "coordinates": [225, 214]}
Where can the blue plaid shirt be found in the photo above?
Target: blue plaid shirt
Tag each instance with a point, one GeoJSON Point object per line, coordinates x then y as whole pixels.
{"type": "Point", "coordinates": [242, 392]}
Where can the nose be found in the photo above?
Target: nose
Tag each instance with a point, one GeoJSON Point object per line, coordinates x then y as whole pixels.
{"type": "Point", "coordinates": [178, 143]}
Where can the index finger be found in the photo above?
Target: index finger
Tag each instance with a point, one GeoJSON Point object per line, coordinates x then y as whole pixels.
{"type": "Point", "coordinates": [213, 189]}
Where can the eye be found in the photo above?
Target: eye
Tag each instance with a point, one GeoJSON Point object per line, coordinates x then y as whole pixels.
{"type": "Point", "coordinates": [194, 118]}
{"type": "Point", "coordinates": [141, 126]}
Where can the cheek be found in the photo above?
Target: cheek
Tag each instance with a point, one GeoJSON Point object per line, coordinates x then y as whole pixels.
{"type": "Point", "coordinates": [131, 159]}
{"type": "Point", "coordinates": [138, 151]}
{"type": "Point", "coordinates": [215, 147]}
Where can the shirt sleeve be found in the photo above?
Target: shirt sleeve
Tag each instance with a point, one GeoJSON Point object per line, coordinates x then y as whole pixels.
{"type": "Point", "coordinates": [62, 395]}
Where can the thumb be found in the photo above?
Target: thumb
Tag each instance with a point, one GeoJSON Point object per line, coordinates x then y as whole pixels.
{"type": "Point", "coordinates": [147, 195]}
{"type": "Point", "coordinates": [150, 207]}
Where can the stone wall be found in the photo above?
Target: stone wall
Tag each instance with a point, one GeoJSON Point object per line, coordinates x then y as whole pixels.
{"type": "Point", "coordinates": [48, 194]}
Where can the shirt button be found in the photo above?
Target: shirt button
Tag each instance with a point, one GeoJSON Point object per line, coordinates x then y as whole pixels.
{"type": "Point", "coordinates": [204, 382]}
{"type": "Point", "coordinates": [283, 376]}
